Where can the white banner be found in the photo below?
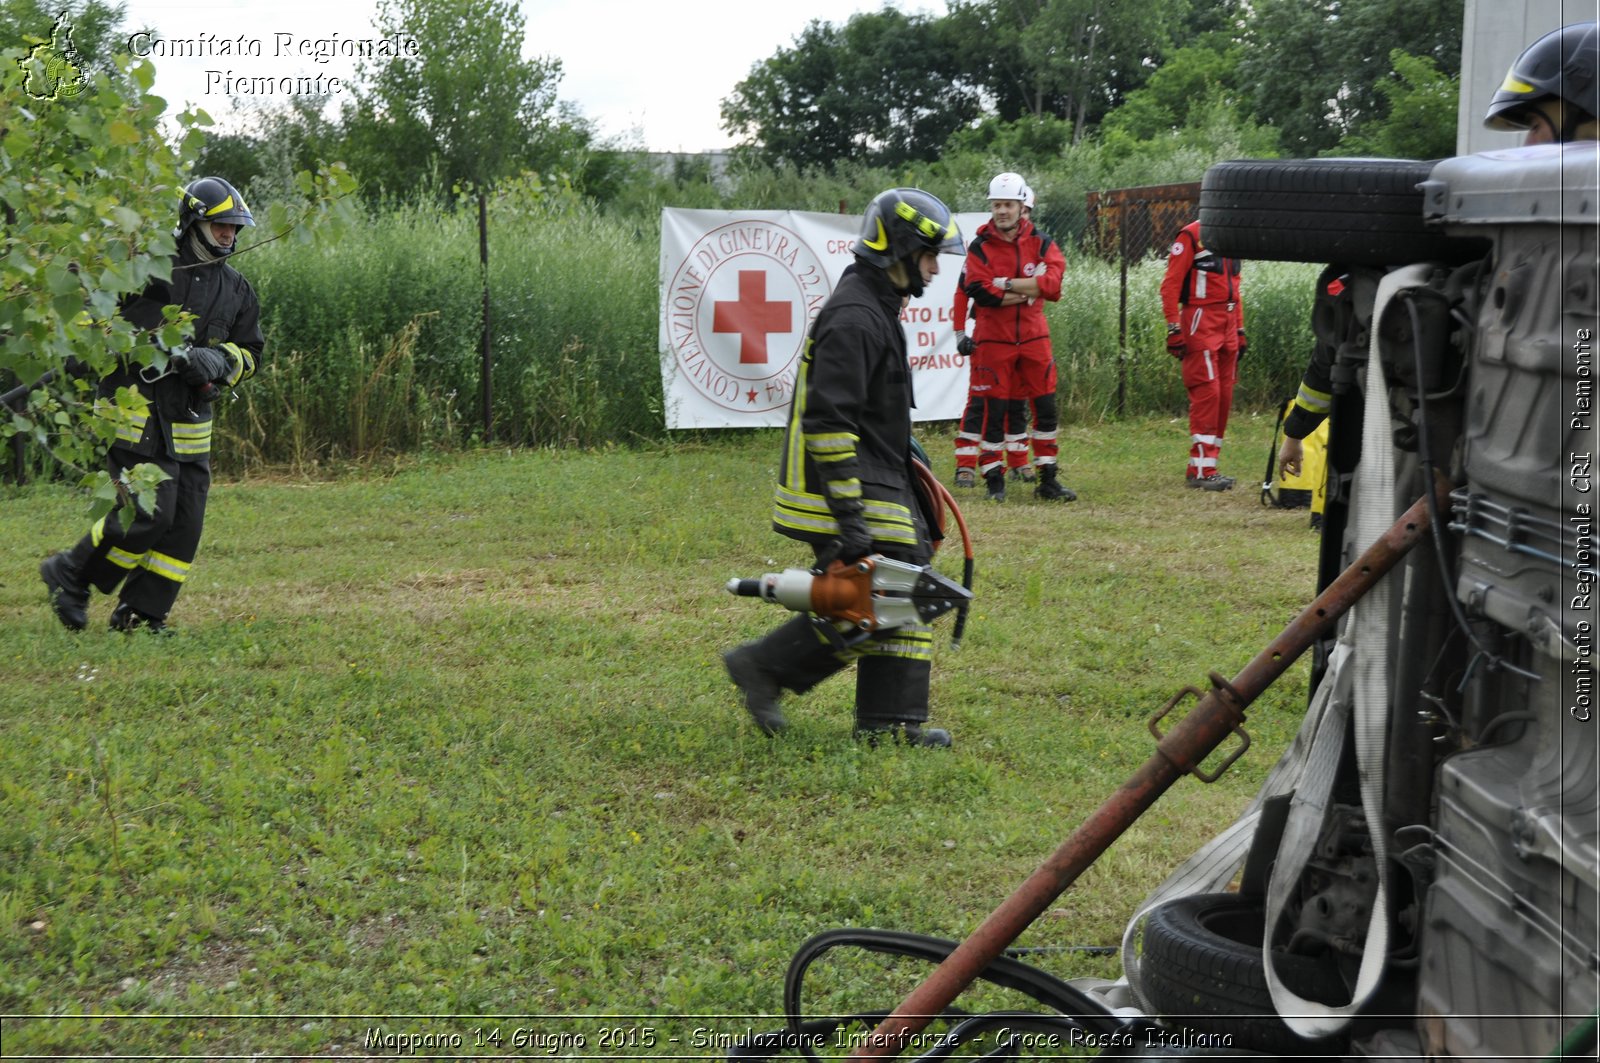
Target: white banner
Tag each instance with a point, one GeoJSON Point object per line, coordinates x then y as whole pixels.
{"type": "Point", "coordinates": [740, 289]}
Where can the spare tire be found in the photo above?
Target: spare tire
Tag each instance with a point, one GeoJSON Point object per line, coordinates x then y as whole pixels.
{"type": "Point", "coordinates": [1354, 212]}
{"type": "Point", "coordinates": [1201, 969]}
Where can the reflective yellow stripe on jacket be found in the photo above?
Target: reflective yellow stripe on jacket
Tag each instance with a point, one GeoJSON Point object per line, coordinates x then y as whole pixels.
{"type": "Point", "coordinates": [130, 426]}
{"type": "Point", "coordinates": [802, 510]}
{"type": "Point", "coordinates": [1313, 401]}
{"type": "Point", "coordinates": [191, 438]}
{"type": "Point", "coordinates": [244, 363]}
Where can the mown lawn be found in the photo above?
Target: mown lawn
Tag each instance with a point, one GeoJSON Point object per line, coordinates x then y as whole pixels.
{"type": "Point", "coordinates": [447, 747]}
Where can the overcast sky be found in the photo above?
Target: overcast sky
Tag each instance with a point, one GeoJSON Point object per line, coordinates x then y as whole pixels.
{"type": "Point", "coordinates": [653, 66]}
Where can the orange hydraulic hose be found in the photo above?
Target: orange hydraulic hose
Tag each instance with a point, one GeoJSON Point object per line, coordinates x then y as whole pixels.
{"type": "Point", "coordinates": [939, 500]}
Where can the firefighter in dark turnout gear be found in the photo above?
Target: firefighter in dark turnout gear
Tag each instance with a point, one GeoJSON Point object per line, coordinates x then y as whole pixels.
{"type": "Point", "coordinates": [151, 559]}
{"type": "Point", "coordinates": [845, 479]}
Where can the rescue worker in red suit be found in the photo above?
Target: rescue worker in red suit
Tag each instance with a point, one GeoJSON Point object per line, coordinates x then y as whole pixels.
{"type": "Point", "coordinates": [1012, 269]}
{"type": "Point", "coordinates": [980, 382]}
{"type": "Point", "coordinates": [1205, 331]}
{"type": "Point", "coordinates": [151, 558]}
{"type": "Point", "coordinates": [846, 484]}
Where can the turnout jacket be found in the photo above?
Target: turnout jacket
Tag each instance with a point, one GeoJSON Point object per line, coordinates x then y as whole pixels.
{"type": "Point", "coordinates": [1314, 398]}
{"type": "Point", "coordinates": [846, 446]}
{"type": "Point", "coordinates": [1032, 254]}
{"type": "Point", "coordinates": [226, 342]}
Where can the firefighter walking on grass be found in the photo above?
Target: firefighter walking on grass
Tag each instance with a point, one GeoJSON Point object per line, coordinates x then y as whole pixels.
{"type": "Point", "coordinates": [846, 484]}
{"type": "Point", "coordinates": [151, 559]}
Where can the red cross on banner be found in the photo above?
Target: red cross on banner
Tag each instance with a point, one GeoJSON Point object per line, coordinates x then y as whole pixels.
{"type": "Point", "coordinates": [752, 317]}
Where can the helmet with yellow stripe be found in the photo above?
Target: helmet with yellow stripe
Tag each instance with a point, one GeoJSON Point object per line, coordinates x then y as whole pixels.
{"type": "Point", "coordinates": [206, 201]}
{"type": "Point", "coordinates": [901, 223]}
{"type": "Point", "coordinates": [1560, 66]}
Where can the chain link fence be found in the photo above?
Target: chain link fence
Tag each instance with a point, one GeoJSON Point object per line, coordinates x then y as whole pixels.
{"type": "Point", "coordinates": [1127, 225]}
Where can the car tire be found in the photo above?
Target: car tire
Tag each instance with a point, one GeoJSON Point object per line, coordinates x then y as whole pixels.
{"type": "Point", "coordinates": [1201, 969]}
{"type": "Point", "coordinates": [1354, 212]}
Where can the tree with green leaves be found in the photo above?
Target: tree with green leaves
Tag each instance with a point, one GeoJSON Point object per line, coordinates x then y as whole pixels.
{"type": "Point", "coordinates": [1312, 68]}
{"type": "Point", "coordinates": [1069, 59]}
{"type": "Point", "coordinates": [877, 90]}
{"type": "Point", "coordinates": [1188, 80]}
{"type": "Point", "coordinates": [88, 188]}
{"type": "Point", "coordinates": [467, 110]}
{"type": "Point", "coordinates": [1419, 121]}
{"type": "Point", "coordinates": [89, 192]}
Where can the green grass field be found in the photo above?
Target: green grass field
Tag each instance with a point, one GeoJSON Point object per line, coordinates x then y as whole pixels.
{"type": "Point", "coordinates": [452, 738]}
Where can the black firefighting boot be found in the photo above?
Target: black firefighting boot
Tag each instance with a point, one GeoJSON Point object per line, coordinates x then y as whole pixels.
{"type": "Point", "coordinates": [1051, 489]}
{"type": "Point", "coordinates": [794, 657]}
{"type": "Point", "coordinates": [912, 734]}
{"type": "Point", "coordinates": [126, 618]}
{"type": "Point", "coordinates": [892, 703]}
{"type": "Point", "coordinates": [996, 483]}
{"type": "Point", "coordinates": [68, 589]}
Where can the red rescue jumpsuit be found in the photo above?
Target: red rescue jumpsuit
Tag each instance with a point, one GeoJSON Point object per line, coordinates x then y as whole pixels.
{"type": "Point", "coordinates": [980, 385]}
{"type": "Point", "coordinates": [1014, 341]}
{"type": "Point", "coordinates": [1200, 295]}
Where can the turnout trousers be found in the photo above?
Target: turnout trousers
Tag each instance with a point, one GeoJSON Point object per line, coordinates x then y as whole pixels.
{"type": "Point", "coordinates": [894, 668]}
{"type": "Point", "coordinates": [151, 559]}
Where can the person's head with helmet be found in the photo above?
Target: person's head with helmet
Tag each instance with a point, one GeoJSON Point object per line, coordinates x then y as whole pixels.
{"type": "Point", "coordinates": [1008, 194]}
{"type": "Point", "coordinates": [210, 217]}
{"type": "Point", "coordinates": [1027, 201]}
{"type": "Point", "coordinates": [1551, 90]}
{"type": "Point", "coordinates": [903, 233]}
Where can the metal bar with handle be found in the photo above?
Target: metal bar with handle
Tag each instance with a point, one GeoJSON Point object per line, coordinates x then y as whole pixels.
{"type": "Point", "coordinates": [1219, 713]}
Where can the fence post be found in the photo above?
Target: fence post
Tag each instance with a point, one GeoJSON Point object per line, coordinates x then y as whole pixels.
{"type": "Point", "coordinates": [1122, 309]}
{"type": "Point", "coordinates": [484, 348]}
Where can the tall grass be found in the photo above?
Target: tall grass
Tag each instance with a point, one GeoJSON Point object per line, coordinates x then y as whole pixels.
{"type": "Point", "coordinates": [373, 345]}
{"type": "Point", "coordinates": [1095, 370]}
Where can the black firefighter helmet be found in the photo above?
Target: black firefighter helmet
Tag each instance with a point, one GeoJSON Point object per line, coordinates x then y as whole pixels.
{"type": "Point", "coordinates": [901, 223]}
{"type": "Point", "coordinates": [1560, 65]}
{"type": "Point", "coordinates": [211, 199]}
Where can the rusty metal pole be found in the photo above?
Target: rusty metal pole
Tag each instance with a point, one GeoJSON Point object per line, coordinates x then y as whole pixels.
{"type": "Point", "coordinates": [485, 348]}
{"type": "Point", "coordinates": [1122, 310]}
{"type": "Point", "coordinates": [1219, 713]}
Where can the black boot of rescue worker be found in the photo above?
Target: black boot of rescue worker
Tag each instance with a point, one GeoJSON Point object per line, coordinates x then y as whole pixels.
{"type": "Point", "coordinates": [759, 689]}
{"type": "Point", "coordinates": [69, 592]}
{"type": "Point", "coordinates": [996, 482]}
{"type": "Point", "coordinates": [912, 734]}
{"type": "Point", "coordinates": [125, 618]}
{"type": "Point", "coordinates": [1051, 489]}
{"type": "Point", "coordinates": [790, 657]}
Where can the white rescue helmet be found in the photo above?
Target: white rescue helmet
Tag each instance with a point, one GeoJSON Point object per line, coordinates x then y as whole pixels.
{"type": "Point", "coordinates": [1027, 197]}
{"type": "Point", "coordinates": [1008, 186]}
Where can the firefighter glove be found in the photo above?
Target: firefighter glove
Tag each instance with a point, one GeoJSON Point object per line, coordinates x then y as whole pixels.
{"type": "Point", "coordinates": [1175, 341]}
{"type": "Point", "coordinates": [965, 346]}
{"type": "Point", "coordinates": [855, 541]}
{"type": "Point", "coordinates": [199, 366]}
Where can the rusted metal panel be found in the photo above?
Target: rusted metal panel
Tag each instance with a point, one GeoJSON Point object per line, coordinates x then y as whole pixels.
{"type": "Point", "coordinates": [1131, 223]}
